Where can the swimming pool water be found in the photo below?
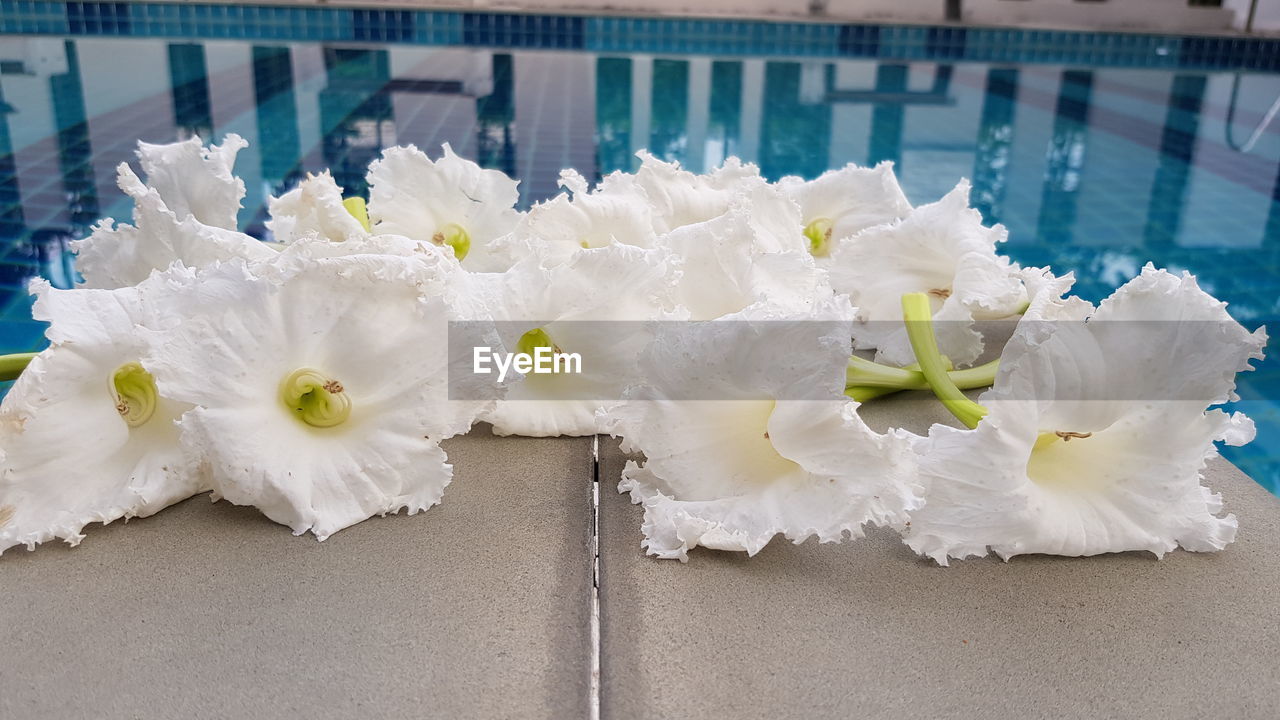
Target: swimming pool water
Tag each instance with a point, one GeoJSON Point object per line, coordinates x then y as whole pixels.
{"type": "Point", "coordinates": [1093, 168]}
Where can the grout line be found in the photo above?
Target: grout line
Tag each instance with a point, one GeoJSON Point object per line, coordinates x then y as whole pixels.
{"type": "Point", "coordinates": [594, 712]}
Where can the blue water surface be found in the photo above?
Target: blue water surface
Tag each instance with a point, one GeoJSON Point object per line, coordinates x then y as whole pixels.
{"type": "Point", "coordinates": [1099, 152]}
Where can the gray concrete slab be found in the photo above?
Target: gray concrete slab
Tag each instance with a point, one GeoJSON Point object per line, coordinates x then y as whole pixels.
{"type": "Point", "coordinates": [477, 608]}
{"type": "Point", "coordinates": [867, 629]}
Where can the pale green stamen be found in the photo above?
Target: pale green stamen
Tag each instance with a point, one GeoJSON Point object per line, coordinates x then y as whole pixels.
{"type": "Point", "coordinates": [315, 399]}
{"type": "Point", "coordinates": [1046, 439]}
{"type": "Point", "coordinates": [456, 237]}
{"type": "Point", "coordinates": [818, 233]}
{"type": "Point", "coordinates": [134, 390]}
{"type": "Point", "coordinates": [918, 317]}
{"type": "Point", "coordinates": [359, 210]}
{"type": "Point", "coordinates": [529, 342]}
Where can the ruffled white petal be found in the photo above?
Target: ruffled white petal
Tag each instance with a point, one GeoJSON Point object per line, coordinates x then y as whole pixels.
{"type": "Point", "coordinates": [771, 448]}
{"type": "Point", "coordinates": [115, 256]}
{"type": "Point", "coordinates": [377, 324]}
{"type": "Point", "coordinates": [1133, 383]}
{"type": "Point", "coordinates": [195, 181]}
{"type": "Point", "coordinates": [941, 249]}
{"type": "Point", "coordinates": [413, 196]}
{"type": "Point", "coordinates": [1158, 339]}
{"type": "Point", "coordinates": [773, 218]}
{"type": "Point", "coordinates": [1133, 486]}
{"type": "Point", "coordinates": [1185, 333]}
{"type": "Point", "coordinates": [306, 483]}
{"type": "Point", "coordinates": [853, 198]}
{"type": "Point", "coordinates": [730, 263]}
{"type": "Point", "coordinates": [678, 197]}
{"type": "Point", "coordinates": [70, 459]}
{"type": "Point", "coordinates": [314, 208]}
{"type": "Point", "coordinates": [569, 223]}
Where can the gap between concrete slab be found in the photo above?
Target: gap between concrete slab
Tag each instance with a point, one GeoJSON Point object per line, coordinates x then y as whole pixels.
{"type": "Point", "coordinates": [595, 579]}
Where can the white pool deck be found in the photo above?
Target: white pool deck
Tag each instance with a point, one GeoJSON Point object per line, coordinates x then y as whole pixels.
{"type": "Point", "coordinates": [482, 608]}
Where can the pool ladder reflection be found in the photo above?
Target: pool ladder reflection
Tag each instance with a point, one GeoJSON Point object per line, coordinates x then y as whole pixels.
{"type": "Point", "coordinates": [1257, 132]}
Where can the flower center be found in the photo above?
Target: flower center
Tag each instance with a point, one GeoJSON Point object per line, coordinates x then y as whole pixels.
{"type": "Point", "coordinates": [314, 398]}
{"type": "Point", "coordinates": [359, 210]}
{"type": "Point", "coordinates": [1058, 462]}
{"type": "Point", "coordinates": [456, 237]}
{"type": "Point", "coordinates": [763, 457]}
{"type": "Point", "coordinates": [747, 458]}
{"type": "Point", "coordinates": [818, 233]}
{"type": "Point", "coordinates": [134, 391]}
{"type": "Point", "coordinates": [1047, 439]}
{"type": "Point", "coordinates": [534, 339]}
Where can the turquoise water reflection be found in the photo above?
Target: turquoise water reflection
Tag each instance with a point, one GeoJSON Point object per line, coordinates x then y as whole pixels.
{"type": "Point", "coordinates": [1095, 170]}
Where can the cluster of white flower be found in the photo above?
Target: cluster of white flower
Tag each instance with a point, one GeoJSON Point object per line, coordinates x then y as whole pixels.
{"type": "Point", "coordinates": [308, 376]}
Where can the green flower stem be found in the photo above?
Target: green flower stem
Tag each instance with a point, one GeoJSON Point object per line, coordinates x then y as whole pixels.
{"type": "Point", "coordinates": [11, 366]}
{"type": "Point", "coordinates": [863, 393]}
{"type": "Point", "coordinates": [918, 317]}
{"type": "Point", "coordinates": [865, 373]}
{"type": "Point", "coordinates": [866, 380]}
{"type": "Point", "coordinates": [978, 376]}
{"type": "Point", "coordinates": [872, 374]}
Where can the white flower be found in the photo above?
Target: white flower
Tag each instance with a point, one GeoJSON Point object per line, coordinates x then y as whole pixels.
{"type": "Point", "coordinates": [313, 209]}
{"type": "Point", "coordinates": [747, 435]}
{"type": "Point", "coordinates": [116, 256]}
{"type": "Point", "coordinates": [774, 218]}
{"type": "Point", "coordinates": [195, 181]}
{"type": "Point", "coordinates": [581, 220]}
{"type": "Point", "coordinates": [843, 202]}
{"type": "Point", "coordinates": [678, 197]}
{"type": "Point", "coordinates": [320, 385]}
{"type": "Point", "coordinates": [450, 201]}
{"type": "Point", "coordinates": [731, 263]}
{"type": "Point", "coordinates": [85, 436]}
{"type": "Point", "coordinates": [1097, 430]}
{"type": "Point", "coordinates": [941, 249]}
{"type": "Point", "coordinates": [596, 305]}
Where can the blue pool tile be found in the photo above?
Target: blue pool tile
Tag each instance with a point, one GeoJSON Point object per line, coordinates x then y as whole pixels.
{"type": "Point", "coordinates": [528, 31]}
{"type": "Point", "coordinates": [99, 18]}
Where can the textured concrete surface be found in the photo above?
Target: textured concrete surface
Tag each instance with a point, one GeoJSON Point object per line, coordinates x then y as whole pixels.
{"type": "Point", "coordinates": [867, 629]}
{"type": "Point", "coordinates": [477, 608]}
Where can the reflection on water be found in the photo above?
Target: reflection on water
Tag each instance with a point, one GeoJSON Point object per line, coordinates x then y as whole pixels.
{"type": "Point", "coordinates": [995, 141]}
{"type": "Point", "coordinates": [1064, 160]}
{"type": "Point", "coordinates": [1087, 167]}
{"type": "Point", "coordinates": [277, 110]}
{"type": "Point", "coordinates": [1095, 170]}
